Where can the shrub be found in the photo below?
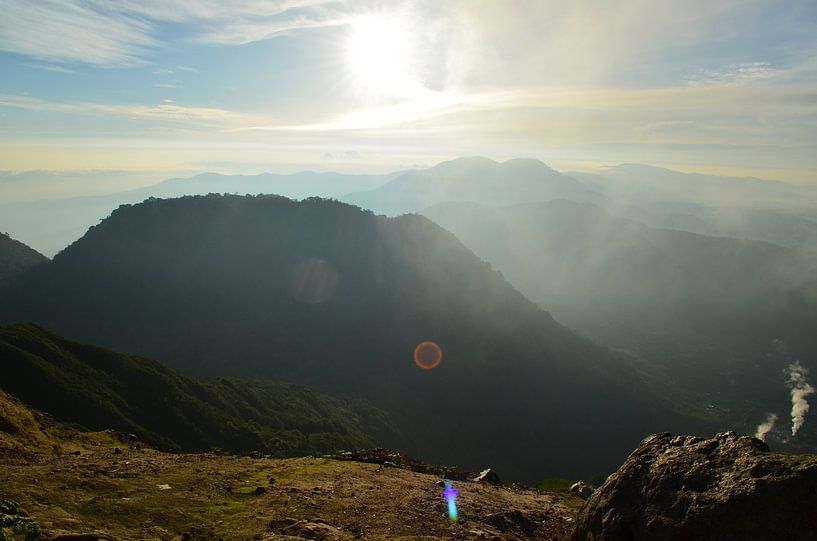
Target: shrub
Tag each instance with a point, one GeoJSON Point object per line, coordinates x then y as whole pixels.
{"type": "Point", "coordinates": [11, 518]}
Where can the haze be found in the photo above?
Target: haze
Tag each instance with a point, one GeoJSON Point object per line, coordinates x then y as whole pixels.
{"type": "Point", "coordinates": [283, 86]}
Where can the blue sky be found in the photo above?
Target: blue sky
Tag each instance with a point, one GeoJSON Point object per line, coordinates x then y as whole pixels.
{"type": "Point", "coordinates": [357, 86]}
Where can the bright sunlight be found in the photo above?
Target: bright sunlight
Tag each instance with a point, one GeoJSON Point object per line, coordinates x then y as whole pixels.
{"type": "Point", "coordinates": [378, 53]}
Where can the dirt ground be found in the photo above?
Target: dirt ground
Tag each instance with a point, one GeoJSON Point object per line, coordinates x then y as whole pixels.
{"type": "Point", "coordinates": [108, 488]}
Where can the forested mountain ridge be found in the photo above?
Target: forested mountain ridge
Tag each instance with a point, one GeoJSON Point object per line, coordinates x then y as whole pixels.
{"type": "Point", "coordinates": [322, 293]}
{"type": "Point", "coordinates": [99, 389]}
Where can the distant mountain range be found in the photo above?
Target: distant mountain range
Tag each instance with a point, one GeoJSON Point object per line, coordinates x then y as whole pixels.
{"type": "Point", "coordinates": [749, 208]}
{"type": "Point", "coordinates": [100, 389]}
{"type": "Point", "coordinates": [324, 294]}
{"type": "Point", "coordinates": [477, 180]}
{"type": "Point", "coordinates": [708, 204]}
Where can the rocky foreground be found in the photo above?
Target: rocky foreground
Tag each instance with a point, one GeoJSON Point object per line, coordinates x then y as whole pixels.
{"type": "Point", "coordinates": [726, 488]}
{"type": "Point", "coordinates": [88, 486]}
{"type": "Point", "coordinates": [60, 484]}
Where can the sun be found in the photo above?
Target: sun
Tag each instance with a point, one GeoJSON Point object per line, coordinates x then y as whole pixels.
{"type": "Point", "coordinates": [378, 54]}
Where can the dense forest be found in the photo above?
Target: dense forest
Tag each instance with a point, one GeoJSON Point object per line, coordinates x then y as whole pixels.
{"type": "Point", "coordinates": [97, 389]}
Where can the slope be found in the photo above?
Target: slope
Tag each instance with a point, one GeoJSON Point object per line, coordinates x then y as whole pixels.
{"type": "Point", "coordinates": [98, 389]}
{"type": "Point", "coordinates": [322, 293]}
{"type": "Point", "coordinates": [16, 258]}
{"type": "Point", "coordinates": [94, 485]}
{"type": "Point", "coordinates": [710, 311]}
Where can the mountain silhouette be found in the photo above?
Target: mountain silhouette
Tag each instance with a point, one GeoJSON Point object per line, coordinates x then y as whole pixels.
{"type": "Point", "coordinates": [51, 225]}
{"type": "Point", "coordinates": [475, 179]}
{"type": "Point", "coordinates": [16, 258]}
{"type": "Point", "coordinates": [322, 293]}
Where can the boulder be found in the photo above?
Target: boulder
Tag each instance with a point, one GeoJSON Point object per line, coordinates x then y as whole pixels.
{"type": "Point", "coordinates": [487, 476]}
{"type": "Point", "coordinates": [581, 489]}
{"type": "Point", "coordinates": [726, 488]}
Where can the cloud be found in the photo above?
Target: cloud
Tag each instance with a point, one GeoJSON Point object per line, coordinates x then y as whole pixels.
{"type": "Point", "coordinates": [51, 67]}
{"type": "Point", "coordinates": [734, 74]}
{"type": "Point", "coordinates": [167, 111]}
{"type": "Point", "coordinates": [73, 31]}
{"type": "Point", "coordinates": [123, 33]}
{"type": "Point", "coordinates": [427, 106]}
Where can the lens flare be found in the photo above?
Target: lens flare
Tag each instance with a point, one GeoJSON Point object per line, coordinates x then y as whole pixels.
{"type": "Point", "coordinates": [450, 494]}
{"type": "Point", "coordinates": [428, 355]}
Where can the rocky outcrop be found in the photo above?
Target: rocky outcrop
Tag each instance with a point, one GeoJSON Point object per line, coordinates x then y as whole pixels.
{"type": "Point", "coordinates": [582, 490]}
{"type": "Point", "coordinates": [725, 488]}
{"type": "Point", "coordinates": [487, 476]}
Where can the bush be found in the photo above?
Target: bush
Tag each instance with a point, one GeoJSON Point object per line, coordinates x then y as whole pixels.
{"type": "Point", "coordinates": [11, 518]}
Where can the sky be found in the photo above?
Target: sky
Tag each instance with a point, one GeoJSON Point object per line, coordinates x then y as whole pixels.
{"type": "Point", "coordinates": [163, 86]}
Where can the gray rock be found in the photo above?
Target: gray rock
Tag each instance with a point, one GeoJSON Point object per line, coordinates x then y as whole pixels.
{"type": "Point", "coordinates": [488, 476]}
{"type": "Point", "coordinates": [727, 488]}
{"type": "Point", "coordinates": [582, 490]}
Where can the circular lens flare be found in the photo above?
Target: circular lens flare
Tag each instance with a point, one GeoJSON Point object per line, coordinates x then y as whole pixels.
{"type": "Point", "coordinates": [428, 355]}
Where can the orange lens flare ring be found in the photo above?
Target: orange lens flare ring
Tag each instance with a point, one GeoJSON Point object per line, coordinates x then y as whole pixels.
{"type": "Point", "coordinates": [428, 355]}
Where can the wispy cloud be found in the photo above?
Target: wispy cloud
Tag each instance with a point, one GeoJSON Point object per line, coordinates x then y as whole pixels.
{"type": "Point", "coordinates": [73, 31]}
{"type": "Point", "coordinates": [122, 33]}
{"type": "Point", "coordinates": [734, 74]}
{"type": "Point", "coordinates": [168, 111]}
{"type": "Point", "coordinates": [51, 67]}
{"type": "Point", "coordinates": [428, 106]}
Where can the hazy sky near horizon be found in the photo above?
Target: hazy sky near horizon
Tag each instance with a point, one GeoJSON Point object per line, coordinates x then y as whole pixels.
{"type": "Point", "coordinates": [368, 86]}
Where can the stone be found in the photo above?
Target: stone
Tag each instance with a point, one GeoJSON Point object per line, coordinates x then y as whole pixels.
{"type": "Point", "coordinates": [513, 522]}
{"type": "Point", "coordinates": [487, 476]}
{"type": "Point", "coordinates": [581, 489]}
{"type": "Point", "coordinates": [294, 528]}
{"type": "Point", "coordinates": [725, 488]}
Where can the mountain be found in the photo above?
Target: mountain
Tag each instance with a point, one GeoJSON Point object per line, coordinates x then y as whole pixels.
{"type": "Point", "coordinates": [321, 293]}
{"type": "Point", "coordinates": [51, 225]}
{"type": "Point", "coordinates": [99, 389]}
{"type": "Point", "coordinates": [715, 205]}
{"type": "Point", "coordinates": [477, 179]}
{"type": "Point", "coordinates": [711, 312]}
{"type": "Point", "coordinates": [16, 258]}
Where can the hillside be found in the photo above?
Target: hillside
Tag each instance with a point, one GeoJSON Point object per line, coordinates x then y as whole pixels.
{"type": "Point", "coordinates": [98, 389]}
{"type": "Point", "coordinates": [95, 484]}
{"type": "Point", "coordinates": [709, 311]}
{"type": "Point", "coordinates": [473, 179]}
{"type": "Point", "coordinates": [16, 258]}
{"type": "Point", "coordinates": [324, 294]}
